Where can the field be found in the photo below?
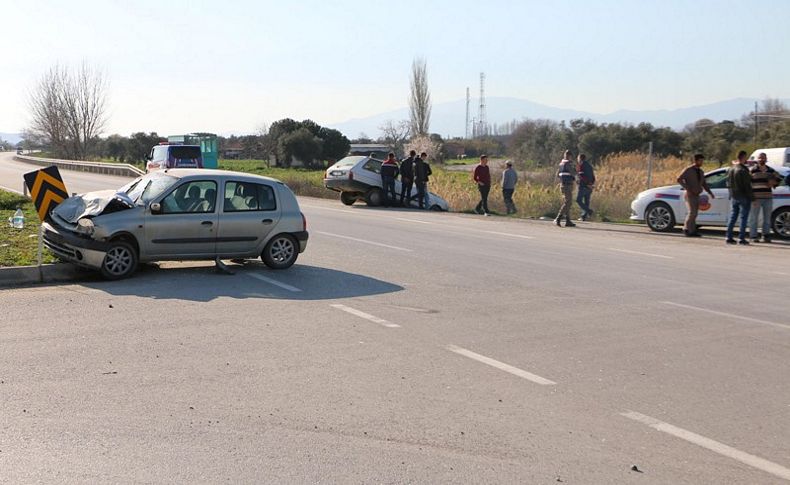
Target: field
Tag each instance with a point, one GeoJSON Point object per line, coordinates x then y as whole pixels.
{"type": "Point", "coordinates": [19, 247]}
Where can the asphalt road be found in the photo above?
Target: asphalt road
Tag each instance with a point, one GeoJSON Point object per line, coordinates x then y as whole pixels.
{"type": "Point", "coordinates": [11, 173]}
{"type": "Point", "coordinates": [411, 347]}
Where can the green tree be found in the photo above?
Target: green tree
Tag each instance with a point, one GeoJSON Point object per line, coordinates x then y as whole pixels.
{"type": "Point", "coordinates": [299, 145]}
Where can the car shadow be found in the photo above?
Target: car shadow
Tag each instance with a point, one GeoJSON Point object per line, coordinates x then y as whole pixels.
{"type": "Point", "coordinates": [708, 233]}
{"type": "Point", "coordinates": [204, 283]}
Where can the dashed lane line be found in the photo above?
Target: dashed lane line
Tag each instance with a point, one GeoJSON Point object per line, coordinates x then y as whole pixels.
{"type": "Point", "coordinates": [273, 282]}
{"type": "Point", "coordinates": [364, 241]}
{"type": "Point", "coordinates": [501, 366]}
{"type": "Point", "coordinates": [729, 315]}
{"type": "Point", "coordinates": [712, 445]}
{"type": "Point", "coordinates": [366, 316]}
{"type": "Point", "coordinates": [509, 235]}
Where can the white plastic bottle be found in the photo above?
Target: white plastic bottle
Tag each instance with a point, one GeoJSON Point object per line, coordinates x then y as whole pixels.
{"type": "Point", "coordinates": [18, 221]}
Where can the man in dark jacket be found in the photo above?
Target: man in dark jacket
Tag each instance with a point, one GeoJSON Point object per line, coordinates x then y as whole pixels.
{"type": "Point", "coordinates": [586, 181]}
{"type": "Point", "coordinates": [407, 178]}
{"type": "Point", "coordinates": [421, 173]}
{"type": "Point", "coordinates": [739, 180]}
{"type": "Point", "coordinates": [693, 182]}
{"type": "Point", "coordinates": [482, 177]}
{"type": "Point", "coordinates": [389, 172]}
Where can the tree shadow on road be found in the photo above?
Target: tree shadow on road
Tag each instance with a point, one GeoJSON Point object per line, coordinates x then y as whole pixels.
{"type": "Point", "coordinates": [251, 280]}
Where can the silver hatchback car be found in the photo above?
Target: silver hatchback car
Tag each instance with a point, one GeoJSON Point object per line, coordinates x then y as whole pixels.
{"type": "Point", "coordinates": [179, 214]}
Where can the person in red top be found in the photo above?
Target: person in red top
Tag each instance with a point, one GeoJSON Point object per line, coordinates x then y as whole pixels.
{"type": "Point", "coordinates": [482, 176]}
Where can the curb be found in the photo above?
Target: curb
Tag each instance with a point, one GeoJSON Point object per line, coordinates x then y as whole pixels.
{"type": "Point", "coordinates": [11, 277]}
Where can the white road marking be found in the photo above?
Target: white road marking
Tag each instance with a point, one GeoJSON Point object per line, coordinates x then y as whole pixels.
{"type": "Point", "coordinates": [501, 366]}
{"type": "Point", "coordinates": [641, 253]}
{"type": "Point", "coordinates": [366, 316]}
{"type": "Point", "coordinates": [273, 282]}
{"type": "Point", "coordinates": [11, 190]}
{"type": "Point", "coordinates": [729, 315]}
{"type": "Point", "coordinates": [508, 234]}
{"type": "Point", "coordinates": [780, 273]}
{"type": "Point", "coordinates": [364, 241]}
{"type": "Point", "coordinates": [332, 209]}
{"type": "Point", "coordinates": [712, 445]}
{"type": "Point", "coordinates": [412, 220]}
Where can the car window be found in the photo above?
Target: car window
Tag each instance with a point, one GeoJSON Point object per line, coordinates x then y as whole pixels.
{"type": "Point", "coordinates": [247, 196]}
{"type": "Point", "coordinates": [717, 180]}
{"type": "Point", "coordinates": [191, 197]}
{"type": "Point", "coordinates": [150, 187]}
{"type": "Point", "coordinates": [372, 166]}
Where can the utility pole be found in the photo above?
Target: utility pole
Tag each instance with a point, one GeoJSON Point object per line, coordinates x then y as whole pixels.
{"type": "Point", "coordinates": [466, 126]}
{"type": "Point", "coordinates": [481, 116]}
{"type": "Point", "coordinates": [755, 122]}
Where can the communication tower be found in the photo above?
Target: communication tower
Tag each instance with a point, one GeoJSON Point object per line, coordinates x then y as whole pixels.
{"type": "Point", "coordinates": [466, 126]}
{"type": "Point", "coordinates": [481, 116]}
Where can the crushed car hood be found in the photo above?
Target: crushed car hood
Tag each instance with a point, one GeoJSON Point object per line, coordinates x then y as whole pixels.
{"type": "Point", "coordinates": [92, 204]}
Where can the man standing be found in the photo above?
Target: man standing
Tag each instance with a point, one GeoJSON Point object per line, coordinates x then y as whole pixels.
{"type": "Point", "coordinates": [509, 180]}
{"type": "Point", "coordinates": [740, 183]}
{"type": "Point", "coordinates": [566, 174]}
{"type": "Point", "coordinates": [421, 173]}
{"type": "Point", "coordinates": [389, 172]}
{"type": "Point", "coordinates": [764, 179]}
{"type": "Point", "coordinates": [693, 181]}
{"type": "Point", "coordinates": [586, 180]}
{"type": "Point", "coordinates": [482, 177]}
{"type": "Point", "coordinates": [407, 178]}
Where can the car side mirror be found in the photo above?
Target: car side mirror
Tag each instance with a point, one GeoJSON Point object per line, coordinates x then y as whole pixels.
{"type": "Point", "coordinates": [156, 208]}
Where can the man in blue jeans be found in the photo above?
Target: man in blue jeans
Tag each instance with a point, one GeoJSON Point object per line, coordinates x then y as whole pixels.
{"type": "Point", "coordinates": [764, 179]}
{"type": "Point", "coordinates": [739, 180]}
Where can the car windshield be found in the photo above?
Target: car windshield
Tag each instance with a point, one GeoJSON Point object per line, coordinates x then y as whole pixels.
{"type": "Point", "coordinates": [348, 162]}
{"type": "Point", "coordinates": [148, 187]}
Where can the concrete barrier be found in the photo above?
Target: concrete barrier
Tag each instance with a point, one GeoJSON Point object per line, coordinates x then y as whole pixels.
{"type": "Point", "coordinates": [118, 169]}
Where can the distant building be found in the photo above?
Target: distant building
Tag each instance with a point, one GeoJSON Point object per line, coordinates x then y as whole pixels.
{"type": "Point", "coordinates": [232, 152]}
{"type": "Point", "coordinates": [366, 149]}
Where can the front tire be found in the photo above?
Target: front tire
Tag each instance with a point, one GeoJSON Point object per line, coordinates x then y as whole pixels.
{"type": "Point", "coordinates": [374, 197]}
{"type": "Point", "coordinates": [659, 217]}
{"type": "Point", "coordinates": [348, 198]}
{"type": "Point", "coordinates": [120, 261]}
{"type": "Point", "coordinates": [280, 252]}
{"type": "Point", "coordinates": [780, 223]}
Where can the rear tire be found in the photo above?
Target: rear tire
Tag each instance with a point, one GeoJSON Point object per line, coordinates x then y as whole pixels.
{"type": "Point", "coordinates": [374, 197]}
{"type": "Point", "coordinates": [120, 261]}
{"type": "Point", "coordinates": [348, 198]}
{"type": "Point", "coordinates": [280, 252]}
{"type": "Point", "coordinates": [780, 223]}
{"type": "Point", "coordinates": [659, 217]}
{"type": "Point", "coordinates": [435, 207]}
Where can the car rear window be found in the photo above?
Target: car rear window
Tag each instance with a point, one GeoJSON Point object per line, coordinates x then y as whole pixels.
{"type": "Point", "coordinates": [185, 152]}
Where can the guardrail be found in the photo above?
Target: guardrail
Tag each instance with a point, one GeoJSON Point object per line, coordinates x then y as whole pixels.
{"type": "Point", "coordinates": [118, 169]}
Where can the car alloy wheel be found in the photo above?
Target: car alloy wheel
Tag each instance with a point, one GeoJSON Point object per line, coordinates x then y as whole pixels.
{"type": "Point", "coordinates": [659, 217]}
{"type": "Point", "coordinates": [781, 223]}
{"type": "Point", "coordinates": [120, 261]}
{"type": "Point", "coordinates": [280, 252]}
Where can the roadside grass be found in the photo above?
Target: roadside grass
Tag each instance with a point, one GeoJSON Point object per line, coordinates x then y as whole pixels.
{"type": "Point", "coordinates": [302, 181]}
{"type": "Point", "coordinates": [19, 247]}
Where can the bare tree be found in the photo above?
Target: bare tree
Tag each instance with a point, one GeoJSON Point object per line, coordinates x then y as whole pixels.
{"type": "Point", "coordinates": [419, 98]}
{"type": "Point", "coordinates": [394, 134]}
{"type": "Point", "coordinates": [68, 109]}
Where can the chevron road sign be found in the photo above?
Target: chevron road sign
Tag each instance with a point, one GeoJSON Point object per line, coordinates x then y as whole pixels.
{"type": "Point", "coordinates": [46, 189]}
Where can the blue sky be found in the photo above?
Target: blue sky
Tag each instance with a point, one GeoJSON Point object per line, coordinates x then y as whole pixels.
{"type": "Point", "coordinates": [183, 66]}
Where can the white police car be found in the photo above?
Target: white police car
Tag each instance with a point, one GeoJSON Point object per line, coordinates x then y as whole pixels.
{"type": "Point", "coordinates": [664, 207]}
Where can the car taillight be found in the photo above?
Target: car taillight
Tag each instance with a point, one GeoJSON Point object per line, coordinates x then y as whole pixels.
{"type": "Point", "coordinates": [350, 175]}
{"type": "Point", "coordinates": [304, 222]}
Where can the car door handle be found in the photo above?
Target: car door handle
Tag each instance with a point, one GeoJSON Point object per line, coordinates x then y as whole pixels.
{"type": "Point", "coordinates": [206, 223]}
{"type": "Point", "coordinates": [267, 221]}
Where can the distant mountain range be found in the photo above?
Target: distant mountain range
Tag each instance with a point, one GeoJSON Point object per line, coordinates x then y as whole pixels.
{"type": "Point", "coordinates": [448, 119]}
{"type": "Point", "coordinates": [12, 138]}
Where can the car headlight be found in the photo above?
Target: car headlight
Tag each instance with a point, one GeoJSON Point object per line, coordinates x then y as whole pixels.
{"type": "Point", "coordinates": [85, 226]}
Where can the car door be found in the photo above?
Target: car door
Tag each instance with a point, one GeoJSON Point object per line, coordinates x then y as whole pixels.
{"type": "Point", "coordinates": [185, 227]}
{"type": "Point", "coordinates": [714, 211]}
{"type": "Point", "coordinates": [249, 212]}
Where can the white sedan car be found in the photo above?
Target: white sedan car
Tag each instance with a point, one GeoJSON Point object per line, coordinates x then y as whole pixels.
{"type": "Point", "coordinates": [664, 207]}
{"type": "Point", "coordinates": [359, 178]}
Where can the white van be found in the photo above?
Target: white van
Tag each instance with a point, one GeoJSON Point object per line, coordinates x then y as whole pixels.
{"type": "Point", "coordinates": [777, 157]}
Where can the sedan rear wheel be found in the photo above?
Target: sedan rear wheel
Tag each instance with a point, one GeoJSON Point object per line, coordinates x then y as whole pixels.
{"type": "Point", "coordinates": [120, 261]}
{"type": "Point", "coordinates": [280, 252]}
{"type": "Point", "coordinates": [659, 217]}
{"type": "Point", "coordinates": [348, 198]}
{"type": "Point", "coordinates": [781, 223]}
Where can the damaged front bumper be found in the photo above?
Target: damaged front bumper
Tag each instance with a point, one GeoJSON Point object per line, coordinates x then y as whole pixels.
{"type": "Point", "coordinates": [75, 249]}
